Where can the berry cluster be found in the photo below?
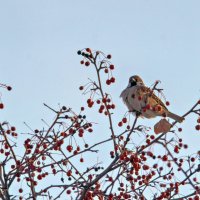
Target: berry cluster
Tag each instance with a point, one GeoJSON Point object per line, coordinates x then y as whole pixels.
{"type": "Point", "coordinates": [100, 62]}
{"type": "Point", "coordinates": [139, 163]}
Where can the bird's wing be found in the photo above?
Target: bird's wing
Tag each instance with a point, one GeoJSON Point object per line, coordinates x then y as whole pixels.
{"type": "Point", "coordinates": [150, 95]}
{"type": "Point", "coordinates": [122, 93]}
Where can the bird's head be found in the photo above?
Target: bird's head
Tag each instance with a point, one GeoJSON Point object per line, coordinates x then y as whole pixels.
{"type": "Point", "coordinates": [135, 80]}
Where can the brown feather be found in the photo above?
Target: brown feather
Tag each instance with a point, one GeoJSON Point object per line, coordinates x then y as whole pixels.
{"type": "Point", "coordinates": [143, 90]}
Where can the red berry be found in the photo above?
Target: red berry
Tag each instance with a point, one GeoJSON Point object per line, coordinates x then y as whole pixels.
{"type": "Point", "coordinates": [197, 127]}
{"type": "Point", "coordinates": [179, 129]}
{"type": "Point", "coordinates": [152, 137]}
{"type": "Point", "coordinates": [90, 104]}
{"type": "Point", "coordinates": [82, 108]}
{"type": "Point", "coordinates": [145, 167]}
{"type": "Point", "coordinates": [165, 158]}
{"type": "Point", "coordinates": [39, 177]}
{"type": "Point", "coordinates": [20, 190]}
{"type": "Point", "coordinates": [176, 149]}
{"type": "Point", "coordinates": [1, 106]}
{"type": "Point", "coordinates": [112, 67]}
{"type": "Point", "coordinates": [167, 103]}
{"type": "Point", "coordinates": [148, 106]}
{"type": "Point", "coordinates": [110, 179]}
{"type": "Point", "coordinates": [139, 98]}
{"type": "Point", "coordinates": [80, 134]}
{"type": "Point", "coordinates": [192, 159]}
{"type": "Point", "coordinates": [104, 100]}
{"type": "Point", "coordinates": [13, 128]}
{"type": "Point", "coordinates": [78, 148]}
{"type": "Point", "coordinates": [81, 160]}
{"type": "Point", "coordinates": [69, 148]}
{"type": "Point", "coordinates": [113, 106]}
{"type": "Point", "coordinates": [82, 62]}
{"type": "Point", "coordinates": [13, 166]}
{"type": "Point", "coordinates": [81, 88]}
{"type": "Point", "coordinates": [68, 192]}
{"type": "Point", "coordinates": [195, 179]}
{"type": "Point", "coordinates": [87, 63]}
{"type": "Point", "coordinates": [155, 166]}
{"type": "Point", "coordinates": [98, 101]}
{"type": "Point", "coordinates": [90, 130]}
{"type": "Point", "coordinates": [124, 120]}
{"type": "Point", "coordinates": [108, 100]}
{"type": "Point", "coordinates": [144, 110]}
{"type": "Point", "coordinates": [121, 184]}
{"type": "Point", "coordinates": [102, 107]}
{"type": "Point", "coordinates": [69, 173]}
{"type": "Point", "coordinates": [90, 176]}
{"type": "Point", "coordinates": [120, 124]}
{"type": "Point", "coordinates": [106, 70]}
{"type": "Point", "coordinates": [88, 50]}
{"type": "Point", "coordinates": [198, 120]}
{"type": "Point", "coordinates": [196, 197]}
{"type": "Point", "coordinates": [159, 108]}
{"type": "Point", "coordinates": [112, 79]}
{"type": "Point", "coordinates": [108, 82]}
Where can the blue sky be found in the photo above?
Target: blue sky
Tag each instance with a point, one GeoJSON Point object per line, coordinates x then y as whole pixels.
{"type": "Point", "coordinates": [158, 40]}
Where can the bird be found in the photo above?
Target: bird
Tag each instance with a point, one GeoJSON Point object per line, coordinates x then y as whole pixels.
{"type": "Point", "coordinates": [142, 101]}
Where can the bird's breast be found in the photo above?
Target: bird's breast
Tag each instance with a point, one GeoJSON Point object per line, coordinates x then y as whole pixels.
{"type": "Point", "coordinates": [132, 98]}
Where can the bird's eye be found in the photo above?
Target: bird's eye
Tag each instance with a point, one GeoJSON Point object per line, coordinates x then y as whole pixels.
{"type": "Point", "coordinates": [134, 80]}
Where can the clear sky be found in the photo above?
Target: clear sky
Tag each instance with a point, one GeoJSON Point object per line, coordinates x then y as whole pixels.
{"type": "Point", "coordinates": [158, 40]}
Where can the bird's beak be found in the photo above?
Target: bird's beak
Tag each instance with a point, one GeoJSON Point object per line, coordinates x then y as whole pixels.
{"type": "Point", "coordinates": [133, 80]}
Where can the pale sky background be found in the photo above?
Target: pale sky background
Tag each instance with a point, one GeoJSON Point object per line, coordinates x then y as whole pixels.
{"type": "Point", "coordinates": [158, 40]}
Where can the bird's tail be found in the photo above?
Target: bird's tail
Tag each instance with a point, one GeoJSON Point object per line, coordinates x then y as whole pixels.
{"type": "Point", "coordinates": [176, 117]}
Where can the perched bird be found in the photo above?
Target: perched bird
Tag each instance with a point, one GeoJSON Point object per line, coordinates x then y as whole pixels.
{"type": "Point", "coordinates": [143, 101]}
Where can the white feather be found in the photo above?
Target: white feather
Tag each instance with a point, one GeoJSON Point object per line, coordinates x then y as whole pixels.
{"type": "Point", "coordinates": [131, 102]}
